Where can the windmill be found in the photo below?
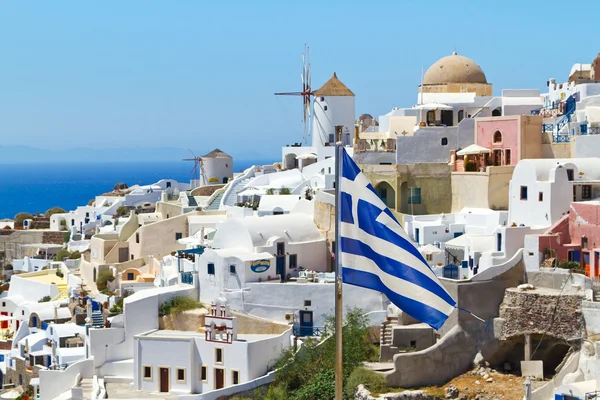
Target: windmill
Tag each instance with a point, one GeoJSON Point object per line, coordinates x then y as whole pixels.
{"type": "Point", "coordinates": [198, 168]}
{"type": "Point", "coordinates": [306, 92]}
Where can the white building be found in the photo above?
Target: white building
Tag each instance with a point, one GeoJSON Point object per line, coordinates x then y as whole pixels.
{"type": "Point", "coordinates": [541, 190]}
{"type": "Point", "coordinates": [181, 362]}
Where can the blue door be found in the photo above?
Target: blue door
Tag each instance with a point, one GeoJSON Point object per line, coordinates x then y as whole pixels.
{"type": "Point", "coordinates": [417, 235]}
{"type": "Point", "coordinates": [451, 271]}
{"type": "Point", "coordinates": [499, 241]}
{"type": "Point", "coordinates": [34, 322]}
{"type": "Point", "coordinates": [457, 234]}
{"type": "Point", "coordinates": [280, 267]}
{"type": "Point", "coordinates": [306, 323]}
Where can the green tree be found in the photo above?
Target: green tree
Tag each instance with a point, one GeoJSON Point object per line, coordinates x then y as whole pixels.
{"type": "Point", "coordinates": [45, 299]}
{"type": "Point", "coordinates": [122, 211]}
{"type": "Point", "coordinates": [62, 255]}
{"type": "Point", "coordinates": [54, 210]}
{"type": "Point", "coordinates": [308, 374]}
{"type": "Point", "coordinates": [20, 217]}
{"type": "Point", "coordinates": [270, 191]}
{"type": "Point", "coordinates": [104, 277]}
{"type": "Point", "coordinates": [75, 255]}
{"type": "Point", "coordinates": [284, 190]}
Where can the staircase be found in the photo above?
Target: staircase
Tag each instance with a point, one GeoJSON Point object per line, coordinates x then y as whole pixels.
{"type": "Point", "coordinates": [215, 203]}
{"type": "Point", "coordinates": [562, 121]}
{"type": "Point", "coordinates": [237, 187]}
{"type": "Point", "coordinates": [87, 385]}
{"type": "Point", "coordinates": [386, 333]}
{"type": "Point", "coordinates": [63, 291]}
{"type": "Point", "coordinates": [97, 319]}
{"type": "Point", "coordinates": [192, 201]}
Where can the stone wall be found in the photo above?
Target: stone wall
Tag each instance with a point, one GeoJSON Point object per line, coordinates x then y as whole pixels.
{"type": "Point", "coordinates": [53, 237]}
{"type": "Point", "coordinates": [11, 244]}
{"type": "Point", "coordinates": [206, 190]}
{"type": "Point", "coordinates": [191, 320]}
{"type": "Point", "coordinates": [20, 375]}
{"type": "Point", "coordinates": [541, 311]}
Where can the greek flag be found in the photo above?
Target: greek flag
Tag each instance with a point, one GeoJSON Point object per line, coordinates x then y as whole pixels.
{"type": "Point", "coordinates": [377, 254]}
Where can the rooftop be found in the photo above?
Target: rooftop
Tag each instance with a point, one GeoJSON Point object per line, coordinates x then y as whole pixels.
{"type": "Point", "coordinates": [198, 335]}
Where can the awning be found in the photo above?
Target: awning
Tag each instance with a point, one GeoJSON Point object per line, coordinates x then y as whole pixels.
{"type": "Point", "coordinates": [429, 249]}
{"type": "Point", "coordinates": [473, 149]}
{"type": "Point", "coordinates": [252, 192]}
{"type": "Point", "coordinates": [46, 351]}
{"type": "Point", "coordinates": [458, 243]}
{"type": "Point", "coordinates": [307, 156]}
{"type": "Point", "coordinates": [433, 106]}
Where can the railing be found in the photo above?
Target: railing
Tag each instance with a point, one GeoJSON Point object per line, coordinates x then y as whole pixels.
{"type": "Point", "coordinates": [562, 138]}
{"type": "Point", "coordinates": [547, 127]}
{"type": "Point", "coordinates": [186, 277]}
{"type": "Point", "coordinates": [303, 331]}
{"type": "Point", "coordinates": [593, 130]}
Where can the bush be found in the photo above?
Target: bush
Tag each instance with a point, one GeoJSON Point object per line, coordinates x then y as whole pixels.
{"type": "Point", "coordinates": [62, 255]}
{"type": "Point", "coordinates": [177, 305]}
{"type": "Point", "coordinates": [44, 299]}
{"type": "Point", "coordinates": [470, 167]}
{"type": "Point", "coordinates": [59, 273]}
{"type": "Point", "coordinates": [54, 210]}
{"type": "Point", "coordinates": [75, 255]}
{"type": "Point", "coordinates": [284, 190]}
{"type": "Point", "coordinates": [270, 191]}
{"type": "Point", "coordinates": [20, 217]}
{"type": "Point", "coordinates": [67, 237]}
{"type": "Point", "coordinates": [317, 361]}
{"type": "Point", "coordinates": [574, 266]}
{"type": "Point", "coordinates": [122, 212]}
{"type": "Point", "coordinates": [361, 376]}
{"type": "Point", "coordinates": [117, 308]}
{"type": "Point", "coordinates": [104, 277]}
{"type": "Point", "coordinates": [319, 387]}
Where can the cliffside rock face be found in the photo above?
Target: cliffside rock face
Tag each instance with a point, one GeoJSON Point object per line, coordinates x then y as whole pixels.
{"type": "Point", "coordinates": [541, 311]}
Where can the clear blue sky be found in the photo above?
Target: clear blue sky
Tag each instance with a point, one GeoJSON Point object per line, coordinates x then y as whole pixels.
{"type": "Point", "coordinates": [202, 74]}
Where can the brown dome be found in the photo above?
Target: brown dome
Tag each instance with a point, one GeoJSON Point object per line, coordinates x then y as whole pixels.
{"type": "Point", "coordinates": [454, 69]}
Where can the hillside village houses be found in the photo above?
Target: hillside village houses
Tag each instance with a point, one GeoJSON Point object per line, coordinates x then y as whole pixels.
{"type": "Point", "coordinates": [483, 185]}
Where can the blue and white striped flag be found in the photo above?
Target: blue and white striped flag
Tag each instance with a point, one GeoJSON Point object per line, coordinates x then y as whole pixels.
{"type": "Point", "coordinates": [377, 254]}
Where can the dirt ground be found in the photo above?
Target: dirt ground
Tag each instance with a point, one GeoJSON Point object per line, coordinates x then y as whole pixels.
{"type": "Point", "coordinates": [503, 386]}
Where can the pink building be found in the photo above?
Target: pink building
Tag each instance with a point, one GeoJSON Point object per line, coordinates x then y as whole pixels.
{"type": "Point", "coordinates": [575, 237]}
{"type": "Point", "coordinates": [509, 139]}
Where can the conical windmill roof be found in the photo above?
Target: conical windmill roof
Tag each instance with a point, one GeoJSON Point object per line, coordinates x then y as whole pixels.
{"type": "Point", "coordinates": [216, 153]}
{"type": "Point", "coordinates": [333, 87]}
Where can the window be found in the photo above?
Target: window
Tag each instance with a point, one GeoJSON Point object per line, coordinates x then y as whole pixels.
{"type": "Point", "coordinates": [523, 192]}
{"type": "Point", "coordinates": [211, 269]}
{"type": "Point", "coordinates": [130, 276]}
{"type": "Point", "coordinates": [429, 257]}
{"type": "Point", "coordinates": [87, 214]}
{"type": "Point", "coordinates": [226, 165]}
{"type": "Point", "coordinates": [321, 98]}
{"type": "Point", "coordinates": [444, 141]}
{"type": "Point", "coordinates": [168, 184]}
{"type": "Point", "coordinates": [178, 235]}
{"type": "Point", "coordinates": [204, 373]}
{"type": "Point", "coordinates": [413, 344]}
{"type": "Point", "coordinates": [293, 261]}
{"type": "Point", "coordinates": [570, 174]}
{"type": "Point", "coordinates": [324, 108]}
{"type": "Point", "coordinates": [507, 157]}
{"type": "Point", "coordinates": [586, 192]}
{"type": "Point", "coordinates": [72, 222]}
{"type": "Point", "coordinates": [461, 115]}
{"type": "Point", "coordinates": [137, 237]}
{"type": "Point", "coordinates": [414, 196]}
{"type": "Point", "coordinates": [430, 116]}
{"type": "Point", "coordinates": [180, 374]}
{"type": "Point", "coordinates": [219, 356]}
{"type": "Point", "coordinates": [307, 303]}
{"type": "Point", "coordinates": [147, 372]}
{"type": "Point", "coordinates": [383, 193]}
{"type": "Point", "coordinates": [584, 242]}
{"type": "Point", "coordinates": [497, 137]}
{"type": "Point", "coordinates": [232, 269]}
{"type": "Point", "coordinates": [235, 377]}
{"type": "Point", "coordinates": [541, 196]}
{"type": "Point", "coordinates": [3, 304]}
{"type": "Point", "coordinates": [23, 313]}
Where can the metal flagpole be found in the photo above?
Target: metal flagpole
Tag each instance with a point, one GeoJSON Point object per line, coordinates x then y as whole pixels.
{"type": "Point", "coordinates": [339, 151]}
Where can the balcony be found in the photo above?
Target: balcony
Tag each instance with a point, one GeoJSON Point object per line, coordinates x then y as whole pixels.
{"type": "Point", "coordinates": [306, 331]}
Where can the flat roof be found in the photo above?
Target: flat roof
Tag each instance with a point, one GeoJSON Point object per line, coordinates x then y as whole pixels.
{"type": "Point", "coordinates": [42, 246]}
{"type": "Point", "coordinates": [167, 334]}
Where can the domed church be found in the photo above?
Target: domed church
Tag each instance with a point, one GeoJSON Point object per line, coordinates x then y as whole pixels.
{"type": "Point", "coordinates": [455, 74]}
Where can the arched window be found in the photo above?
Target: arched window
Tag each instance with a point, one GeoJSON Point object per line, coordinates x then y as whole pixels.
{"type": "Point", "coordinates": [497, 137]}
{"type": "Point", "coordinates": [497, 112]}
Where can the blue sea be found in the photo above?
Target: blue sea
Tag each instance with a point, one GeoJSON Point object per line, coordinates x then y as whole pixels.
{"type": "Point", "coordinates": [38, 187]}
